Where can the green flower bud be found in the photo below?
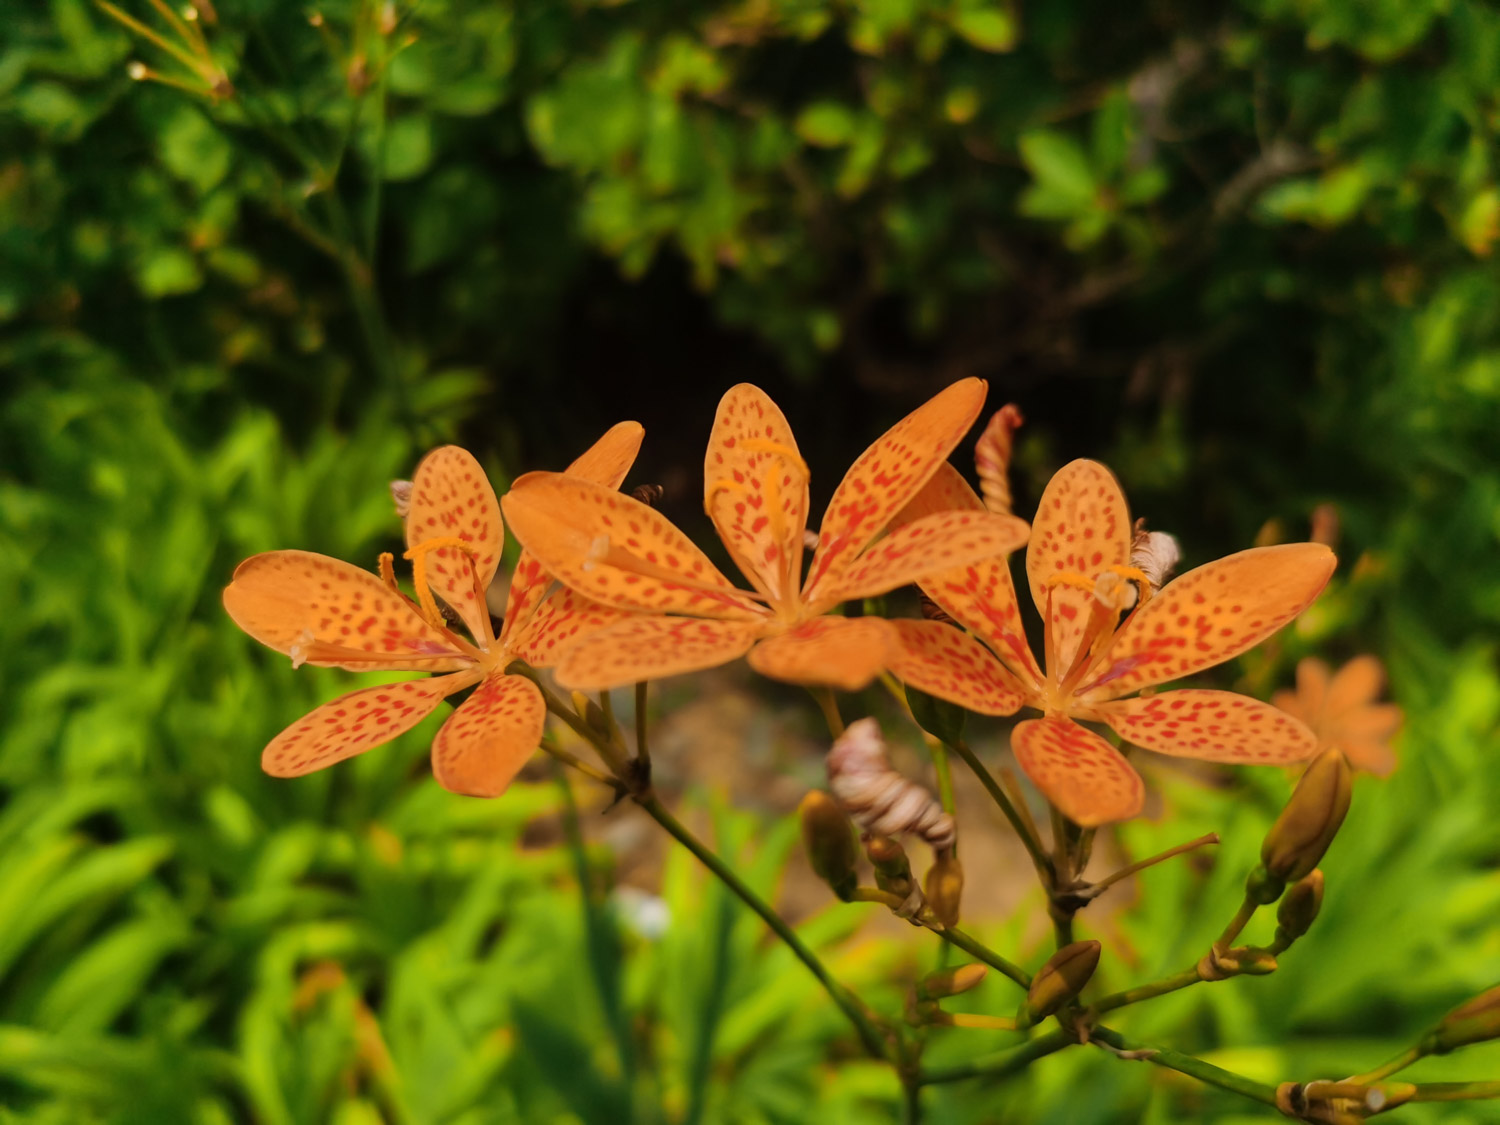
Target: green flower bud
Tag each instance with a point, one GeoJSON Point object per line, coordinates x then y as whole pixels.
{"type": "Point", "coordinates": [950, 982]}
{"type": "Point", "coordinates": [944, 887]}
{"type": "Point", "coordinates": [828, 837]}
{"type": "Point", "coordinates": [1305, 828]}
{"type": "Point", "coordinates": [1478, 1021]}
{"type": "Point", "coordinates": [1299, 909]}
{"type": "Point", "coordinates": [1058, 981]}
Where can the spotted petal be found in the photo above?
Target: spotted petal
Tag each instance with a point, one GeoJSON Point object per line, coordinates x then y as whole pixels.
{"type": "Point", "coordinates": [886, 477]}
{"type": "Point", "coordinates": [1214, 726]}
{"type": "Point", "coordinates": [605, 462]}
{"type": "Point", "coordinates": [355, 723]}
{"type": "Point", "coordinates": [1079, 772]}
{"type": "Point", "coordinates": [650, 647]}
{"type": "Point", "coordinates": [616, 550]}
{"type": "Point", "coordinates": [452, 498]}
{"type": "Point", "coordinates": [324, 611]}
{"type": "Point", "coordinates": [846, 653]}
{"type": "Point", "coordinates": [1082, 526]}
{"type": "Point", "coordinates": [562, 620]}
{"type": "Point", "coordinates": [484, 743]}
{"type": "Point", "coordinates": [981, 595]}
{"type": "Point", "coordinates": [1211, 614]}
{"type": "Point", "coordinates": [755, 490]}
{"type": "Point", "coordinates": [950, 664]}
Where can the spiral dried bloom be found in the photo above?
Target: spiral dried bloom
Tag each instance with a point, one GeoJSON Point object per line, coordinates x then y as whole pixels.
{"type": "Point", "coordinates": [992, 458]}
{"type": "Point", "coordinates": [1155, 554]}
{"type": "Point", "coordinates": [880, 800]}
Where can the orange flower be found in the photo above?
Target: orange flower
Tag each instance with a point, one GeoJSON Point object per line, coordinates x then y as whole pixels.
{"type": "Point", "coordinates": [1343, 713]}
{"type": "Point", "coordinates": [755, 491]}
{"type": "Point", "coordinates": [323, 611]}
{"type": "Point", "coordinates": [1078, 564]}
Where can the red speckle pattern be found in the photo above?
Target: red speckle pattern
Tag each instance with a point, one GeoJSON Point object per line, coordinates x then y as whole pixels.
{"type": "Point", "coordinates": [1211, 614]}
{"type": "Point", "coordinates": [950, 664]}
{"type": "Point", "coordinates": [617, 550]}
{"type": "Point", "coordinates": [888, 475]}
{"type": "Point", "coordinates": [926, 546]}
{"type": "Point", "coordinates": [451, 497]}
{"type": "Point", "coordinates": [651, 647]}
{"type": "Point", "coordinates": [846, 653]}
{"type": "Point", "coordinates": [1216, 726]}
{"type": "Point", "coordinates": [743, 484]}
{"type": "Point", "coordinates": [1078, 771]}
{"type": "Point", "coordinates": [354, 723]}
{"type": "Point", "coordinates": [565, 618]}
{"type": "Point", "coordinates": [335, 615]}
{"type": "Point", "coordinates": [484, 744]}
{"type": "Point", "coordinates": [1082, 526]}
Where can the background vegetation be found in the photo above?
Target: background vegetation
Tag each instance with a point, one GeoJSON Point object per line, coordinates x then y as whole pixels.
{"type": "Point", "coordinates": [1242, 252]}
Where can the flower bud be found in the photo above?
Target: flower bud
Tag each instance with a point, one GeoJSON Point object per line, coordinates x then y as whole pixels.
{"type": "Point", "coordinates": [1058, 981]}
{"type": "Point", "coordinates": [829, 839]}
{"type": "Point", "coordinates": [892, 868]}
{"type": "Point", "coordinates": [1299, 909]}
{"type": "Point", "coordinates": [1305, 828]}
{"type": "Point", "coordinates": [1475, 1022]}
{"type": "Point", "coordinates": [944, 887]}
{"type": "Point", "coordinates": [950, 982]}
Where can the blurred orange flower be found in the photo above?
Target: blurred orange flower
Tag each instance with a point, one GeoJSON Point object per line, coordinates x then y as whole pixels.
{"type": "Point", "coordinates": [324, 611]}
{"type": "Point", "coordinates": [1343, 712]}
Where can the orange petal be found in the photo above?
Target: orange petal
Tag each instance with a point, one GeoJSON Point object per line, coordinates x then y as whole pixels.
{"type": "Point", "coordinates": [1358, 682]}
{"type": "Point", "coordinates": [1215, 726]}
{"type": "Point", "coordinates": [950, 664]}
{"type": "Point", "coordinates": [1210, 614]}
{"type": "Point", "coordinates": [354, 723]}
{"type": "Point", "coordinates": [846, 653]}
{"type": "Point", "coordinates": [1079, 772]}
{"type": "Point", "coordinates": [451, 496]}
{"type": "Point", "coordinates": [927, 546]}
{"type": "Point", "coordinates": [888, 474]}
{"type": "Point", "coordinates": [1306, 703]}
{"type": "Point", "coordinates": [649, 647]}
{"type": "Point", "coordinates": [1372, 721]}
{"type": "Point", "coordinates": [755, 490]}
{"type": "Point", "coordinates": [484, 743]}
{"type": "Point", "coordinates": [616, 550]}
{"type": "Point", "coordinates": [1082, 526]}
{"type": "Point", "coordinates": [563, 619]}
{"type": "Point", "coordinates": [1371, 755]}
{"type": "Point", "coordinates": [982, 595]}
{"type": "Point", "coordinates": [327, 612]}
{"type": "Point", "coordinates": [605, 462]}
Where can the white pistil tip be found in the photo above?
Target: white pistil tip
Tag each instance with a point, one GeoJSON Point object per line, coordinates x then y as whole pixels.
{"type": "Point", "coordinates": [138, 71]}
{"type": "Point", "coordinates": [299, 647]}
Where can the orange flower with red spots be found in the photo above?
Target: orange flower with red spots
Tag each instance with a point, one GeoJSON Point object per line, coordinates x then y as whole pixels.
{"type": "Point", "coordinates": [323, 611]}
{"type": "Point", "coordinates": [1107, 635]}
{"type": "Point", "coordinates": [1343, 710]}
{"type": "Point", "coordinates": [687, 616]}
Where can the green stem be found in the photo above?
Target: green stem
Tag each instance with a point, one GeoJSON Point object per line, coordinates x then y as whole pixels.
{"type": "Point", "coordinates": [911, 1101]}
{"type": "Point", "coordinates": [1125, 872]}
{"type": "Point", "coordinates": [1400, 1062]}
{"type": "Point", "coordinates": [1147, 991]}
{"type": "Point", "coordinates": [998, 795]}
{"type": "Point", "coordinates": [568, 758]}
{"type": "Point", "coordinates": [830, 708]}
{"type": "Point", "coordinates": [863, 1020]}
{"type": "Point", "coordinates": [981, 952]}
{"type": "Point", "coordinates": [642, 746]}
{"type": "Point", "coordinates": [1189, 1065]}
{"type": "Point", "coordinates": [1236, 924]}
{"type": "Point", "coordinates": [944, 773]}
{"type": "Point", "coordinates": [1009, 1063]}
{"type": "Point", "coordinates": [1456, 1091]}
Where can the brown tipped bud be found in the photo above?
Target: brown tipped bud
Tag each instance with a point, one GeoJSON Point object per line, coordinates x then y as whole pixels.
{"type": "Point", "coordinates": [1478, 1021]}
{"type": "Point", "coordinates": [1305, 828]}
{"type": "Point", "coordinates": [944, 887]}
{"type": "Point", "coordinates": [1299, 909]}
{"type": "Point", "coordinates": [892, 868]}
{"type": "Point", "coordinates": [828, 837]}
{"type": "Point", "coordinates": [950, 982]}
{"type": "Point", "coordinates": [1059, 980]}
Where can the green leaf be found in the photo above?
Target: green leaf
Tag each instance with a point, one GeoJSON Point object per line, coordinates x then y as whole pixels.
{"type": "Point", "coordinates": [826, 124]}
{"type": "Point", "coordinates": [988, 28]}
{"type": "Point", "coordinates": [408, 147]}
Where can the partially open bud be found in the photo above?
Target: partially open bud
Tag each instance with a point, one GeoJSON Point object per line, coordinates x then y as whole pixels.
{"type": "Point", "coordinates": [1299, 909]}
{"type": "Point", "coordinates": [1058, 981]}
{"type": "Point", "coordinates": [950, 982]}
{"type": "Point", "coordinates": [892, 868]}
{"type": "Point", "coordinates": [828, 837]}
{"type": "Point", "coordinates": [1478, 1021]}
{"type": "Point", "coordinates": [944, 887]}
{"type": "Point", "coordinates": [1296, 842]}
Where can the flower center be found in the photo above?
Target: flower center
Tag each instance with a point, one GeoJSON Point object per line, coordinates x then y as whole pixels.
{"type": "Point", "coordinates": [1114, 590]}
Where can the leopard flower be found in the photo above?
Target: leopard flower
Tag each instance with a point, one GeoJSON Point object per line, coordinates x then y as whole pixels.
{"type": "Point", "coordinates": [1342, 708]}
{"type": "Point", "coordinates": [1107, 636]}
{"type": "Point", "coordinates": [688, 616]}
{"type": "Point", "coordinates": [323, 611]}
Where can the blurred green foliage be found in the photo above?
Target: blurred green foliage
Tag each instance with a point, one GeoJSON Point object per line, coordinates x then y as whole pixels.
{"type": "Point", "coordinates": [1242, 252]}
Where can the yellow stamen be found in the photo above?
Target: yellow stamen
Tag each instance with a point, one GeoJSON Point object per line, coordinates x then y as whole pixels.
{"type": "Point", "coordinates": [765, 445]}
{"type": "Point", "coordinates": [1070, 578]}
{"type": "Point", "coordinates": [717, 487]}
{"type": "Point", "coordinates": [388, 571]}
{"type": "Point", "coordinates": [418, 558]}
{"type": "Point", "coordinates": [1130, 574]}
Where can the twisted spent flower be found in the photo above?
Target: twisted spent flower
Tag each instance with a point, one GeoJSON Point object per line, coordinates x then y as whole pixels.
{"type": "Point", "coordinates": [326, 612]}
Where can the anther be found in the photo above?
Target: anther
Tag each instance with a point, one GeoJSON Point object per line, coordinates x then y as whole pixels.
{"type": "Point", "coordinates": [763, 445]}
{"type": "Point", "coordinates": [417, 555]}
